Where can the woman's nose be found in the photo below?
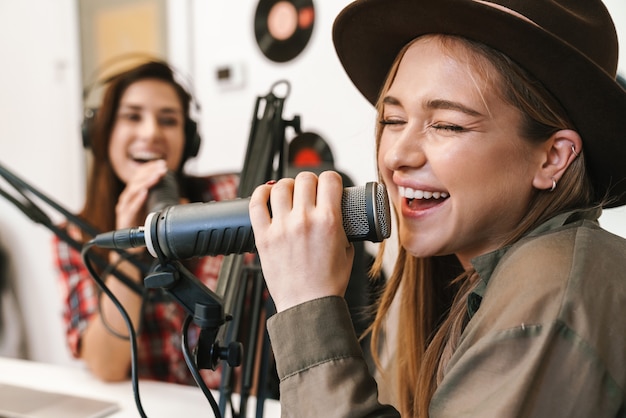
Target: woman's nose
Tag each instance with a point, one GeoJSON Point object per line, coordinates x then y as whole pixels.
{"type": "Point", "coordinates": [150, 129]}
{"type": "Point", "coordinates": [405, 150]}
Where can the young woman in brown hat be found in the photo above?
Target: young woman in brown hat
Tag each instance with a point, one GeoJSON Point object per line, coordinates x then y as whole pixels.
{"type": "Point", "coordinates": [500, 139]}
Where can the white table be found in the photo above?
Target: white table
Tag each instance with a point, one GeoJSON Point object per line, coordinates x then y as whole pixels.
{"type": "Point", "coordinates": [159, 400]}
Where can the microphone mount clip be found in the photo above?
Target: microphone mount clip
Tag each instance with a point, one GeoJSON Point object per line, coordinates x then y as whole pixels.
{"type": "Point", "coordinates": [205, 306]}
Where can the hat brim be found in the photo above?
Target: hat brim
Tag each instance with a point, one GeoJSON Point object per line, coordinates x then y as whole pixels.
{"type": "Point", "coordinates": [368, 35]}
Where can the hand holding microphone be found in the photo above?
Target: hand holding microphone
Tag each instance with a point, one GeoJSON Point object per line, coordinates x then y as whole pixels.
{"type": "Point", "coordinates": [303, 251]}
{"type": "Point", "coordinates": [149, 187]}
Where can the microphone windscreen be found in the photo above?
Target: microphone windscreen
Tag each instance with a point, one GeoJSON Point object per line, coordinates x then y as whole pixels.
{"type": "Point", "coordinates": [366, 212]}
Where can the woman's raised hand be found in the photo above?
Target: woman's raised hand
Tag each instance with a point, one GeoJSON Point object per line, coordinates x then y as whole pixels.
{"type": "Point", "coordinates": [301, 242]}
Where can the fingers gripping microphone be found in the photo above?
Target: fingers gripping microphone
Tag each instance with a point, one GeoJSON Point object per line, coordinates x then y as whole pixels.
{"type": "Point", "coordinates": [198, 229]}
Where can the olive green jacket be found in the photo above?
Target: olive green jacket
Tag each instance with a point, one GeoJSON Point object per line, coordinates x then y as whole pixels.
{"type": "Point", "coordinates": [546, 337]}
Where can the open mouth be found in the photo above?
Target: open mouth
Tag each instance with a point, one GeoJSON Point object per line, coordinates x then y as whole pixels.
{"type": "Point", "coordinates": [422, 199]}
{"type": "Point", "coordinates": [144, 157]}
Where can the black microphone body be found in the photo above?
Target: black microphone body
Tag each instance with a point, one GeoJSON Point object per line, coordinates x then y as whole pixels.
{"type": "Point", "coordinates": [198, 229]}
{"type": "Point", "coordinates": [213, 228]}
{"type": "Point", "coordinates": [165, 193]}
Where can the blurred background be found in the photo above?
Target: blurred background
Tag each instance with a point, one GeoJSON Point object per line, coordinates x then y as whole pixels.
{"type": "Point", "coordinates": [52, 49]}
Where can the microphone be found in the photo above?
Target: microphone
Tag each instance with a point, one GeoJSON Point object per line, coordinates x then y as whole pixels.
{"type": "Point", "coordinates": [213, 228]}
{"type": "Point", "coordinates": [165, 193]}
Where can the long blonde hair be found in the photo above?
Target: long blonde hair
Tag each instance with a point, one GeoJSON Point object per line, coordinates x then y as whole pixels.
{"type": "Point", "coordinates": [433, 291]}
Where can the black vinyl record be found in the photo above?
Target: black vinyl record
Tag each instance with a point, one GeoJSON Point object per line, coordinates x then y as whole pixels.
{"type": "Point", "coordinates": [283, 27]}
{"type": "Point", "coordinates": [309, 150]}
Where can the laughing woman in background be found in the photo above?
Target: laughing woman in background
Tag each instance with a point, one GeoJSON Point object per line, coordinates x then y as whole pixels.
{"type": "Point", "coordinates": [141, 132]}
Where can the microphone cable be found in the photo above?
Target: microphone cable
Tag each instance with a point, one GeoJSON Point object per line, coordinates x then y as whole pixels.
{"type": "Point", "coordinates": [132, 337]}
{"type": "Point", "coordinates": [110, 269]}
{"type": "Point", "coordinates": [193, 368]}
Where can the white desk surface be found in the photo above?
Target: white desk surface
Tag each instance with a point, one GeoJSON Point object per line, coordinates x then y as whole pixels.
{"type": "Point", "coordinates": [159, 400]}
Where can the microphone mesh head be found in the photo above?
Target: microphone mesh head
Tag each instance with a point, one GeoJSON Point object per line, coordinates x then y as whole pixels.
{"type": "Point", "coordinates": [366, 214]}
{"type": "Point", "coordinates": [383, 212]}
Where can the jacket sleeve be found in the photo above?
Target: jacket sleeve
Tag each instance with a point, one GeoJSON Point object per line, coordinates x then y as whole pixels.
{"type": "Point", "coordinates": [320, 364]}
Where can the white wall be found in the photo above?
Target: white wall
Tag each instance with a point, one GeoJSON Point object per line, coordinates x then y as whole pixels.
{"type": "Point", "coordinates": [41, 112]}
{"type": "Point", "coordinates": [615, 219]}
{"type": "Point", "coordinates": [39, 117]}
{"type": "Point", "coordinates": [320, 91]}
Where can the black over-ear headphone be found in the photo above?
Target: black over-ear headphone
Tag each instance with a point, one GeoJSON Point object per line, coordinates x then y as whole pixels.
{"type": "Point", "coordinates": [192, 135]}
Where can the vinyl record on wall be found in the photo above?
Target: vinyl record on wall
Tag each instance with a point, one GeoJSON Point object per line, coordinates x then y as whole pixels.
{"type": "Point", "coordinates": [309, 150]}
{"type": "Point", "coordinates": [283, 27]}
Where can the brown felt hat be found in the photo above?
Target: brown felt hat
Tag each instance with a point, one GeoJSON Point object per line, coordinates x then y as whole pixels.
{"type": "Point", "coordinates": [568, 45]}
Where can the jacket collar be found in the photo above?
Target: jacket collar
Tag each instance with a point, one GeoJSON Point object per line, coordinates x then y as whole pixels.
{"type": "Point", "coordinates": [485, 264]}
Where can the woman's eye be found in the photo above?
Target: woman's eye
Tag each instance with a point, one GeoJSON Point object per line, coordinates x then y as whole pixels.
{"type": "Point", "coordinates": [448, 127]}
{"type": "Point", "coordinates": [386, 121]}
{"type": "Point", "coordinates": [131, 116]}
{"type": "Point", "coordinates": [169, 121]}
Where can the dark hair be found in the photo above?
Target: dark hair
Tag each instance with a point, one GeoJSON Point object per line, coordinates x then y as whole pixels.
{"type": "Point", "coordinates": [103, 185]}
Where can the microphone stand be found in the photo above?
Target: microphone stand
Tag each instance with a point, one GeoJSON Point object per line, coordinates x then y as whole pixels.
{"type": "Point", "coordinates": [207, 308]}
{"type": "Point", "coordinates": [24, 202]}
{"type": "Point", "coordinates": [242, 286]}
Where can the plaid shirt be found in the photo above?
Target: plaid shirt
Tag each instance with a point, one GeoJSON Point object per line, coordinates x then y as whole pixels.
{"type": "Point", "coordinates": [159, 337]}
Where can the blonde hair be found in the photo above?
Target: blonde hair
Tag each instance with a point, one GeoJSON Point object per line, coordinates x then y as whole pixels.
{"type": "Point", "coordinates": [433, 291]}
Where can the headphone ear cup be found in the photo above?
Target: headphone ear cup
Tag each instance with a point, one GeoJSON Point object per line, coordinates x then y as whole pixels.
{"type": "Point", "coordinates": [87, 126]}
{"type": "Point", "coordinates": [192, 139]}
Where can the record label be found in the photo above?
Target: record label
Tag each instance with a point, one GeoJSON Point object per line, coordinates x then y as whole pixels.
{"type": "Point", "coordinates": [283, 27]}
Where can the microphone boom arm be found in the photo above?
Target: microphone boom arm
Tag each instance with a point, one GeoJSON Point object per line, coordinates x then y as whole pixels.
{"type": "Point", "coordinates": [37, 215]}
{"type": "Point", "coordinates": [266, 145]}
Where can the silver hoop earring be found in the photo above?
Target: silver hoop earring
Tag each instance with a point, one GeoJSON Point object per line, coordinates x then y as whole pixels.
{"type": "Point", "coordinates": [574, 150]}
{"type": "Point", "coordinates": [553, 185]}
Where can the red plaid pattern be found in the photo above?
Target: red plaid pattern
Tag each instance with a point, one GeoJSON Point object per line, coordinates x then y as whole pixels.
{"type": "Point", "coordinates": [159, 338]}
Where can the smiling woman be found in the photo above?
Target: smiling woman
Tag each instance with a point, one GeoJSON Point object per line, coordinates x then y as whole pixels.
{"type": "Point", "coordinates": [148, 127]}
{"type": "Point", "coordinates": [510, 296]}
{"type": "Point", "coordinates": [446, 128]}
{"type": "Point", "coordinates": [141, 133]}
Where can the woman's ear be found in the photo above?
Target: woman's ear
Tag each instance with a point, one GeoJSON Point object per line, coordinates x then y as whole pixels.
{"type": "Point", "coordinates": [561, 149]}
